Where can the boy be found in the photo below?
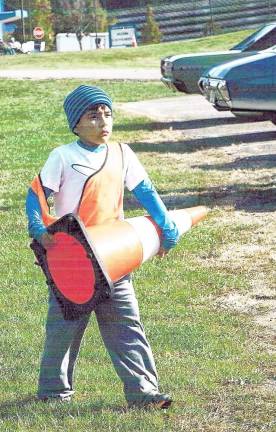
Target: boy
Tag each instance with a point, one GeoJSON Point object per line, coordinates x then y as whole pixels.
{"type": "Point", "coordinates": [104, 168]}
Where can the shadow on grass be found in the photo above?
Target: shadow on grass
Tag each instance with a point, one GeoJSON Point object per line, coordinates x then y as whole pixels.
{"type": "Point", "coordinates": [251, 162]}
{"type": "Point", "coordinates": [138, 126]}
{"type": "Point", "coordinates": [206, 122]}
{"type": "Point", "coordinates": [133, 125]}
{"type": "Point", "coordinates": [250, 198]}
{"type": "Point", "coordinates": [195, 144]}
{"type": "Point", "coordinates": [5, 208]}
{"type": "Point", "coordinates": [23, 407]}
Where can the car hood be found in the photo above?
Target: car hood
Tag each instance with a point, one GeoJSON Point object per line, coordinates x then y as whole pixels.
{"type": "Point", "coordinates": [174, 58]}
{"type": "Point", "coordinates": [221, 71]}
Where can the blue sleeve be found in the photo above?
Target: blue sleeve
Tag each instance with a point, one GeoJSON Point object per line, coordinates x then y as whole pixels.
{"type": "Point", "coordinates": [36, 226]}
{"type": "Point", "coordinates": [147, 196]}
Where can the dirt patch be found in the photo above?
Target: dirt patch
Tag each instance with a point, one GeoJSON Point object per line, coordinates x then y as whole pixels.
{"type": "Point", "coordinates": [258, 303]}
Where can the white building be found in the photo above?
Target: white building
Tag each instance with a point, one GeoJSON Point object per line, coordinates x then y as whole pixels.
{"type": "Point", "coordinates": [69, 41]}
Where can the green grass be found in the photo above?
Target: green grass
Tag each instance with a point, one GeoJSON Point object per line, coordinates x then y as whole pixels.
{"type": "Point", "coordinates": [140, 57]}
{"type": "Point", "coordinates": [210, 359]}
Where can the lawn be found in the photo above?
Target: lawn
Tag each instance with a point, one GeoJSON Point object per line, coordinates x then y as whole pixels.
{"type": "Point", "coordinates": [140, 57]}
{"type": "Point", "coordinates": [210, 358]}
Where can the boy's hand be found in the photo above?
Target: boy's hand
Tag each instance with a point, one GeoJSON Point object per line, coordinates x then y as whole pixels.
{"type": "Point", "coordinates": [47, 240]}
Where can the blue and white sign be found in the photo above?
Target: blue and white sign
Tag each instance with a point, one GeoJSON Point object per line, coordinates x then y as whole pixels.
{"type": "Point", "coordinates": [122, 35]}
{"type": "Point", "coordinates": [7, 17]}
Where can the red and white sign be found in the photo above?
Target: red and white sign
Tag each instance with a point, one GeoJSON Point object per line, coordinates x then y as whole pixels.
{"type": "Point", "coordinates": [38, 33]}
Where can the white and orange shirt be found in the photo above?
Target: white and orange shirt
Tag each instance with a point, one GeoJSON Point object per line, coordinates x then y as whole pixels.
{"type": "Point", "coordinates": [69, 167]}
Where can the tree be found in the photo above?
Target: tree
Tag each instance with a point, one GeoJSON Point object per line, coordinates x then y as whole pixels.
{"type": "Point", "coordinates": [150, 31]}
{"type": "Point", "coordinates": [39, 15]}
{"type": "Point", "coordinates": [80, 17]}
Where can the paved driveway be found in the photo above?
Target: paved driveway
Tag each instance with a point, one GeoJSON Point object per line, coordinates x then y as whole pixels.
{"type": "Point", "coordinates": [97, 74]}
{"type": "Point", "coordinates": [199, 121]}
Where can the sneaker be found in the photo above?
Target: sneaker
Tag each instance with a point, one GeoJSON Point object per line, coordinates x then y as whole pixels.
{"type": "Point", "coordinates": [156, 400]}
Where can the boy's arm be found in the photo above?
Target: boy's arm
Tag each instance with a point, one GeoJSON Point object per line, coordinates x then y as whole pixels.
{"type": "Point", "coordinates": [147, 195]}
{"type": "Point", "coordinates": [36, 226]}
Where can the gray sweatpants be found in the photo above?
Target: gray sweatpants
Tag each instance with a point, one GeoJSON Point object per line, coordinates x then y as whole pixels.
{"type": "Point", "coordinates": [123, 335]}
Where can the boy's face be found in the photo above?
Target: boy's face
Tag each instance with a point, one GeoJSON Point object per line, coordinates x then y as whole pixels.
{"type": "Point", "coordinates": [95, 125]}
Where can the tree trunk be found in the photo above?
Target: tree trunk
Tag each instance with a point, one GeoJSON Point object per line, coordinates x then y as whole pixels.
{"type": "Point", "coordinates": [79, 35]}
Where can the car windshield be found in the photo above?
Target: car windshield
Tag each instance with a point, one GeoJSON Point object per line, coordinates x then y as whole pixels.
{"type": "Point", "coordinates": [262, 39]}
{"type": "Point", "coordinates": [273, 48]}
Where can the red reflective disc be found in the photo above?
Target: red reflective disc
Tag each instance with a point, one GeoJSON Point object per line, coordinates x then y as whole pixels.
{"type": "Point", "coordinates": [71, 269]}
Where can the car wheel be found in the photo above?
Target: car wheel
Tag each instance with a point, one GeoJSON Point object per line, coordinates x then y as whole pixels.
{"type": "Point", "coordinates": [180, 87]}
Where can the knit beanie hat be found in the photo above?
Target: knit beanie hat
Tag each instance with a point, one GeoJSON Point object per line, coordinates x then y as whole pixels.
{"type": "Point", "coordinates": [82, 98]}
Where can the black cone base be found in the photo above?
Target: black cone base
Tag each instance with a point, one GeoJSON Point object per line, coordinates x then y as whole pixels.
{"type": "Point", "coordinates": [75, 298]}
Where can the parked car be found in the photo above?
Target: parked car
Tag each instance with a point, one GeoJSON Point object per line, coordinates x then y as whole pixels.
{"type": "Point", "coordinates": [182, 72]}
{"type": "Point", "coordinates": [245, 86]}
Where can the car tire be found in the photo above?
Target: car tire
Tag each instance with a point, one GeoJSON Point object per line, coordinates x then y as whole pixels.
{"type": "Point", "coordinates": [273, 118]}
{"type": "Point", "coordinates": [180, 87]}
{"type": "Point", "coordinates": [254, 116]}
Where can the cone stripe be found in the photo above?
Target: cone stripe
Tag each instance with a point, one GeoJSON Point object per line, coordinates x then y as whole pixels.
{"type": "Point", "coordinates": [148, 235]}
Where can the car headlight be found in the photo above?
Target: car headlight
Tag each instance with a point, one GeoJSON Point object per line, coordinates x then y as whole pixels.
{"type": "Point", "coordinates": [203, 84]}
{"type": "Point", "coordinates": [167, 66]}
{"type": "Point", "coordinates": [223, 90]}
{"type": "Point", "coordinates": [215, 90]}
{"type": "Point", "coordinates": [207, 84]}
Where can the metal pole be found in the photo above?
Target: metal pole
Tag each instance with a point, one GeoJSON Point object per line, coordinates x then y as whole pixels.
{"type": "Point", "coordinates": [22, 21]}
{"type": "Point", "coordinates": [30, 20]}
{"type": "Point", "coordinates": [96, 24]}
{"type": "Point", "coordinates": [211, 17]}
{"type": "Point", "coordinates": [269, 9]}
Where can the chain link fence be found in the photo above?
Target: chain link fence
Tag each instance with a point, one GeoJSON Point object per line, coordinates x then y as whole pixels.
{"type": "Point", "coordinates": [196, 18]}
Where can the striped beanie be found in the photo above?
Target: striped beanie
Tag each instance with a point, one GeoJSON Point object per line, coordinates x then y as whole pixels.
{"type": "Point", "coordinates": [82, 98]}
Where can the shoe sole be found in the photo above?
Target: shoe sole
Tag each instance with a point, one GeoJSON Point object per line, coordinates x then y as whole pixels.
{"type": "Point", "coordinates": [156, 402]}
{"type": "Point", "coordinates": [163, 404]}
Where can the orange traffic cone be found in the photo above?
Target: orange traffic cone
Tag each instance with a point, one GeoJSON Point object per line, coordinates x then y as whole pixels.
{"type": "Point", "coordinates": [85, 261]}
{"type": "Point", "coordinates": [133, 41]}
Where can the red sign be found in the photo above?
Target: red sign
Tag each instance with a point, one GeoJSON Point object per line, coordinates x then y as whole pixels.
{"type": "Point", "coordinates": [38, 32]}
